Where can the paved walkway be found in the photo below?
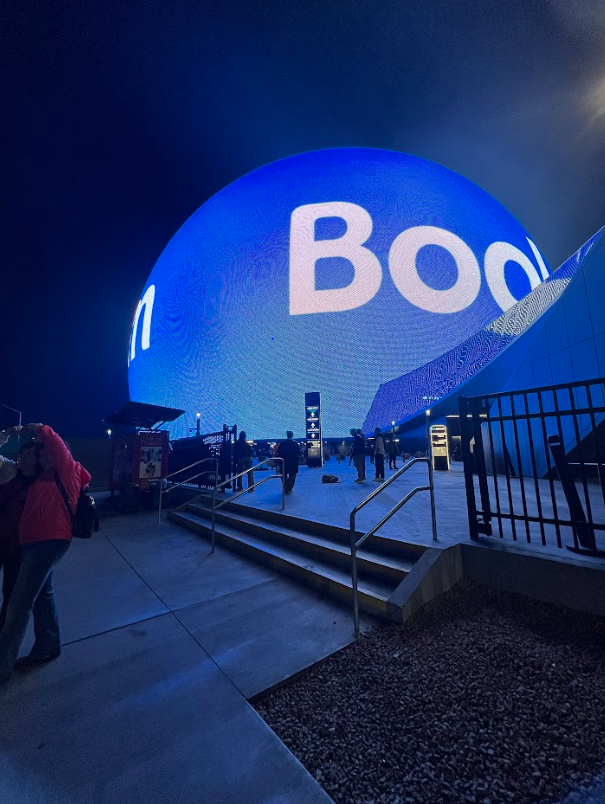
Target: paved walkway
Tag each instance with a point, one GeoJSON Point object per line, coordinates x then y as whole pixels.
{"type": "Point", "coordinates": [163, 645]}
{"type": "Point", "coordinates": [332, 504]}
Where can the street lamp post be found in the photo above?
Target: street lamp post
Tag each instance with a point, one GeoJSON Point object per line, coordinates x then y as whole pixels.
{"type": "Point", "coordinates": [428, 432]}
{"type": "Point", "coordinates": [198, 416]}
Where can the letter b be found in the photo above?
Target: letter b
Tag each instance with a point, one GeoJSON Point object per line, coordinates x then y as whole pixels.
{"type": "Point", "coordinates": [305, 250]}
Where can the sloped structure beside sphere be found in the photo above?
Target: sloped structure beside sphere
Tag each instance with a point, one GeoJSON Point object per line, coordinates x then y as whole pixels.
{"type": "Point", "coordinates": [488, 361]}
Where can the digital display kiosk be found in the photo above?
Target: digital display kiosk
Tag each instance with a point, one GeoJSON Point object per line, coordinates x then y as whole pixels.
{"type": "Point", "coordinates": [313, 429]}
{"type": "Point", "coordinates": [439, 451]}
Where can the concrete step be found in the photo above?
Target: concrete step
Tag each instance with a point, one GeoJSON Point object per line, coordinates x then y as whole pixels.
{"type": "Point", "coordinates": [321, 575]}
{"type": "Point", "coordinates": [386, 568]}
{"type": "Point", "coordinates": [383, 545]}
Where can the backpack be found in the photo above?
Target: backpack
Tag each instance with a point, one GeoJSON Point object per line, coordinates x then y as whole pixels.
{"type": "Point", "coordinates": [85, 521]}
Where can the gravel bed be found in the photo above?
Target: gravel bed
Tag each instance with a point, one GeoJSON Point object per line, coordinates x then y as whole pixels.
{"type": "Point", "coordinates": [482, 697]}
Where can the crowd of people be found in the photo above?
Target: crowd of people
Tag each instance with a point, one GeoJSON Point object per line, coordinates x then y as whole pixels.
{"type": "Point", "coordinates": [39, 493]}
{"type": "Point", "coordinates": [379, 448]}
{"type": "Point", "coordinates": [288, 450]}
{"type": "Point", "coordinates": [378, 452]}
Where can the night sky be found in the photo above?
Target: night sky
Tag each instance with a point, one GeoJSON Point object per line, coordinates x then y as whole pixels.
{"type": "Point", "coordinates": [119, 119]}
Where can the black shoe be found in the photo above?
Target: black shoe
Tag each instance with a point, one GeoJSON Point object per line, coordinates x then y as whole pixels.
{"type": "Point", "coordinates": [30, 662]}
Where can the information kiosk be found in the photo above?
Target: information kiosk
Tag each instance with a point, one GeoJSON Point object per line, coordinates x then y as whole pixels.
{"type": "Point", "coordinates": [439, 451]}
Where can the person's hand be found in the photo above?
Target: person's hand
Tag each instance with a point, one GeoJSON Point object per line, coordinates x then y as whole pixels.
{"type": "Point", "coordinates": [6, 434]}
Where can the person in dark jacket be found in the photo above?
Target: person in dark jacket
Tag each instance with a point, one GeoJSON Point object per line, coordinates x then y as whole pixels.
{"type": "Point", "coordinates": [392, 452]}
{"type": "Point", "coordinates": [358, 453]}
{"type": "Point", "coordinates": [12, 500]}
{"type": "Point", "coordinates": [242, 453]}
{"type": "Point", "coordinates": [379, 452]}
{"type": "Point", "coordinates": [290, 452]}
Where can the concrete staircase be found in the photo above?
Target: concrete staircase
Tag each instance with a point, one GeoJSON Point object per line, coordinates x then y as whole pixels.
{"type": "Point", "coordinates": [311, 553]}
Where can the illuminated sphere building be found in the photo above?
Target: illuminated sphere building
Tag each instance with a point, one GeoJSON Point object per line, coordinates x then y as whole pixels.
{"type": "Point", "coordinates": [350, 271]}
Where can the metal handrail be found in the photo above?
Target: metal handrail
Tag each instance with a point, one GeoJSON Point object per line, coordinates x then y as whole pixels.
{"type": "Point", "coordinates": [187, 480]}
{"type": "Point", "coordinates": [245, 491]}
{"type": "Point", "coordinates": [355, 544]}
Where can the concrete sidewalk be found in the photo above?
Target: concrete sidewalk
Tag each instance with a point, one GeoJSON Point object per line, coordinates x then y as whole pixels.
{"type": "Point", "coordinates": [163, 644]}
{"type": "Point", "coordinates": [331, 504]}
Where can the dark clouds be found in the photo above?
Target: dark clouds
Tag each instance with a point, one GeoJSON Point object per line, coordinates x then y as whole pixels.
{"type": "Point", "coordinates": [120, 118]}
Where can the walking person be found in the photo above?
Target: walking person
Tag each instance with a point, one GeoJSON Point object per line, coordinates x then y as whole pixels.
{"type": "Point", "coordinates": [392, 452]}
{"type": "Point", "coordinates": [358, 454]}
{"type": "Point", "coordinates": [242, 452]}
{"type": "Point", "coordinates": [12, 501]}
{"type": "Point", "coordinates": [45, 533]}
{"type": "Point", "coordinates": [290, 452]}
{"type": "Point", "coordinates": [379, 452]}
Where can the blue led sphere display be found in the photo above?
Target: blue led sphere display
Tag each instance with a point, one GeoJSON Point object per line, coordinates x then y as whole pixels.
{"type": "Point", "coordinates": [332, 271]}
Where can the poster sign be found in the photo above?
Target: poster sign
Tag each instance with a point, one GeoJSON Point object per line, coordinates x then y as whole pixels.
{"type": "Point", "coordinates": [152, 459]}
{"type": "Point", "coordinates": [313, 429]}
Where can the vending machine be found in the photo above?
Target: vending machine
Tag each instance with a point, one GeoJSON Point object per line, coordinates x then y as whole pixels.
{"type": "Point", "coordinates": [140, 446]}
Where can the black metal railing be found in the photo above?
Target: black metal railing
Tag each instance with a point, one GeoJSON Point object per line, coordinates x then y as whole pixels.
{"type": "Point", "coordinates": [186, 453]}
{"type": "Point", "coordinates": [534, 464]}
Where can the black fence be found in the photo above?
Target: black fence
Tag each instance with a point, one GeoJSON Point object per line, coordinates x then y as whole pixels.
{"type": "Point", "coordinates": [534, 465]}
{"type": "Point", "coordinates": [186, 451]}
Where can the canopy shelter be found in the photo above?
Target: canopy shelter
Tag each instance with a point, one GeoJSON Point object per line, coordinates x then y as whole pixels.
{"type": "Point", "coordinates": [144, 416]}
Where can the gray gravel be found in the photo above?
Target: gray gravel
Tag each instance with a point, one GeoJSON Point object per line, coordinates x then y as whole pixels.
{"type": "Point", "coordinates": [483, 697]}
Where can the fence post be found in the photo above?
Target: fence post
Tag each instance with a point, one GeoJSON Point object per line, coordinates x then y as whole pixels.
{"type": "Point", "coordinates": [466, 435]}
{"type": "Point", "coordinates": [581, 528]}
{"type": "Point", "coordinates": [479, 455]}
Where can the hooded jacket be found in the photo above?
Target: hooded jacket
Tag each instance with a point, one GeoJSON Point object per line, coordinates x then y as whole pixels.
{"type": "Point", "coordinates": [45, 515]}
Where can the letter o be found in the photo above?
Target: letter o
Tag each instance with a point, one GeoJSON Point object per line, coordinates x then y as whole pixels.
{"type": "Point", "coordinates": [402, 265]}
{"type": "Point", "coordinates": [496, 257]}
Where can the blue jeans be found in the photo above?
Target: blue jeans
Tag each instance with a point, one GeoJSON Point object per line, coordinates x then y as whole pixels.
{"type": "Point", "coordinates": [33, 591]}
{"type": "Point", "coordinates": [10, 569]}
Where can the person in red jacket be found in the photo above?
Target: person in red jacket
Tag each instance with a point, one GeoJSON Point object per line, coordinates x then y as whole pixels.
{"type": "Point", "coordinates": [44, 535]}
{"type": "Point", "coordinates": [12, 499]}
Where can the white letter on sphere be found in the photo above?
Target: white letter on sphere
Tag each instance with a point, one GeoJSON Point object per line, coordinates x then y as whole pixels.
{"type": "Point", "coordinates": [305, 250]}
{"type": "Point", "coordinates": [146, 303]}
{"type": "Point", "coordinates": [541, 264]}
{"type": "Point", "coordinates": [402, 264]}
{"type": "Point", "coordinates": [496, 257]}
